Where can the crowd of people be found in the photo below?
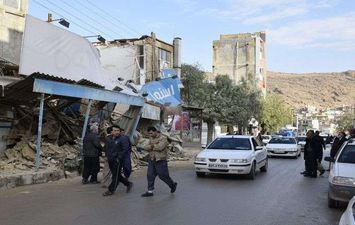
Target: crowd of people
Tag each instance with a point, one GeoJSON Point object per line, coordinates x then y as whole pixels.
{"type": "Point", "coordinates": [313, 150]}
{"type": "Point", "coordinates": [117, 148]}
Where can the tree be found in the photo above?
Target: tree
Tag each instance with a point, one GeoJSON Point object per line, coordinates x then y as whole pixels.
{"type": "Point", "coordinates": [346, 121]}
{"type": "Point", "coordinates": [275, 113]}
{"type": "Point", "coordinates": [221, 101]}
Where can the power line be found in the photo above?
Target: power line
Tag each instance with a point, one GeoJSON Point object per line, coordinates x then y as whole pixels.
{"type": "Point", "coordinates": [107, 13]}
{"type": "Point", "coordinates": [107, 20]}
{"type": "Point", "coordinates": [51, 10]}
{"type": "Point", "coordinates": [108, 28]}
{"type": "Point", "coordinates": [88, 24]}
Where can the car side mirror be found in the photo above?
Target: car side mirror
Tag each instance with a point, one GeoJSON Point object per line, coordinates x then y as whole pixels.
{"type": "Point", "coordinates": [329, 159]}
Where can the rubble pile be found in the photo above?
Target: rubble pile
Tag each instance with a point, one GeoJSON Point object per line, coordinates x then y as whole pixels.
{"type": "Point", "coordinates": [22, 157]}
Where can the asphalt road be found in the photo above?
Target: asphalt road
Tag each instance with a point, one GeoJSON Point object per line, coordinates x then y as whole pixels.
{"type": "Point", "coordinates": [279, 197]}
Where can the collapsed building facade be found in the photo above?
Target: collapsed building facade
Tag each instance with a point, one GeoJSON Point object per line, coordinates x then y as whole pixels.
{"type": "Point", "coordinates": [54, 97]}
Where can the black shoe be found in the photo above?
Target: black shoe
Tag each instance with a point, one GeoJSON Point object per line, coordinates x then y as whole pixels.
{"type": "Point", "coordinates": [95, 182]}
{"type": "Point", "coordinates": [129, 187]}
{"type": "Point", "coordinates": [306, 175]}
{"type": "Point", "coordinates": [85, 181]}
{"type": "Point", "coordinates": [321, 172]}
{"type": "Point", "coordinates": [107, 193]}
{"type": "Point", "coordinates": [147, 194]}
{"type": "Point", "coordinates": [304, 172]}
{"type": "Point", "coordinates": [173, 188]}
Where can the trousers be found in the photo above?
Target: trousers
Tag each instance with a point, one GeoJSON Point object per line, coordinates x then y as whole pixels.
{"type": "Point", "coordinates": [116, 176]}
{"type": "Point", "coordinates": [126, 165]}
{"type": "Point", "coordinates": [158, 168]}
{"type": "Point", "coordinates": [91, 168]}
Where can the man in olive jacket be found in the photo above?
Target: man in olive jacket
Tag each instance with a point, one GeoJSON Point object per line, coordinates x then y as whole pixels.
{"type": "Point", "coordinates": [158, 165]}
{"type": "Point", "coordinates": [92, 150]}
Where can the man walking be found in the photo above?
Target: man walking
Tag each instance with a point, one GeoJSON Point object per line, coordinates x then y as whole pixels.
{"type": "Point", "coordinates": [91, 152]}
{"type": "Point", "coordinates": [114, 152]}
{"type": "Point", "coordinates": [125, 162]}
{"type": "Point", "coordinates": [158, 165]}
{"type": "Point", "coordinates": [312, 153]}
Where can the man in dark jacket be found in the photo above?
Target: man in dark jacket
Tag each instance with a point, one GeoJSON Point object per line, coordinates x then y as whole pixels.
{"type": "Point", "coordinates": [91, 151]}
{"type": "Point", "coordinates": [125, 162]}
{"type": "Point", "coordinates": [338, 142]}
{"type": "Point", "coordinates": [115, 150]}
{"type": "Point", "coordinates": [312, 153]}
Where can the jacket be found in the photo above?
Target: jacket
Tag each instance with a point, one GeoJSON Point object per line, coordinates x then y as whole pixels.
{"type": "Point", "coordinates": [159, 151]}
{"type": "Point", "coordinates": [117, 148]}
{"type": "Point", "coordinates": [91, 145]}
{"type": "Point", "coordinates": [317, 149]}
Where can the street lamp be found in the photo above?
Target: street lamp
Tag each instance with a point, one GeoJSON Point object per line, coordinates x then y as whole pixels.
{"type": "Point", "coordinates": [62, 21]}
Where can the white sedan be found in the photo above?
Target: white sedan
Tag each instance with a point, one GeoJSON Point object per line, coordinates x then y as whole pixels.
{"type": "Point", "coordinates": [348, 217]}
{"type": "Point", "coordinates": [283, 146]}
{"type": "Point", "coordinates": [232, 154]}
{"type": "Point", "coordinates": [342, 175]}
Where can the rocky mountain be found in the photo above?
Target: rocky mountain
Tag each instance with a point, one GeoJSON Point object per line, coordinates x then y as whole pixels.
{"type": "Point", "coordinates": [323, 90]}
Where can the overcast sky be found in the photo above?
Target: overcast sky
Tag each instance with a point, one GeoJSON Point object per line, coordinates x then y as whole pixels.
{"type": "Point", "coordinates": [301, 35]}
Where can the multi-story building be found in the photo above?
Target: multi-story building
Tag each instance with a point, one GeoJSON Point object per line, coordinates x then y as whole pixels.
{"type": "Point", "coordinates": [140, 59]}
{"type": "Point", "coordinates": [241, 57]}
{"type": "Point", "coordinates": [12, 23]}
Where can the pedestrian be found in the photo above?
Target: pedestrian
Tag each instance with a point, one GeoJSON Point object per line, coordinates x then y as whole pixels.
{"type": "Point", "coordinates": [260, 138]}
{"type": "Point", "coordinates": [338, 142]}
{"type": "Point", "coordinates": [114, 153]}
{"type": "Point", "coordinates": [92, 150]}
{"type": "Point", "coordinates": [125, 163]}
{"type": "Point", "coordinates": [319, 159]}
{"type": "Point", "coordinates": [312, 153]}
{"type": "Point", "coordinates": [157, 163]}
{"type": "Point", "coordinates": [106, 171]}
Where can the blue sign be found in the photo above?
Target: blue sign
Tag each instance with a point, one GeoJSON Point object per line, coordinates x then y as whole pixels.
{"type": "Point", "coordinates": [165, 91]}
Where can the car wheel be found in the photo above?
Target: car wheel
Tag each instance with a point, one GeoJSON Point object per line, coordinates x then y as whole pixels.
{"type": "Point", "coordinates": [332, 203]}
{"type": "Point", "coordinates": [200, 174]}
{"type": "Point", "coordinates": [251, 174]}
{"type": "Point", "coordinates": [264, 168]}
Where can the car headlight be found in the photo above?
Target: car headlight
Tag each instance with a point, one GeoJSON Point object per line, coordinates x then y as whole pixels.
{"type": "Point", "coordinates": [344, 181]}
{"type": "Point", "coordinates": [200, 159]}
{"type": "Point", "coordinates": [239, 160]}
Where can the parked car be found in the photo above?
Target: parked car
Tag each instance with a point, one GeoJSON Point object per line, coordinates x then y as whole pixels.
{"type": "Point", "coordinates": [266, 139]}
{"type": "Point", "coordinates": [348, 217]}
{"type": "Point", "coordinates": [283, 146]}
{"type": "Point", "coordinates": [232, 154]}
{"type": "Point", "coordinates": [342, 175]}
{"type": "Point", "coordinates": [301, 141]}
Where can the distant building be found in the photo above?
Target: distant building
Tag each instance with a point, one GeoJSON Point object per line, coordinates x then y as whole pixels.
{"type": "Point", "coordinates": [140, 59]}
{"type": "Point", "coordinates": [241, 56]}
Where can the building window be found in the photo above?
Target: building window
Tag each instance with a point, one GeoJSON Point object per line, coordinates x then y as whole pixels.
{"type": "Point", "coordinates": [13, 3]}
{"type": "Point", "coordinates": [164, 58]}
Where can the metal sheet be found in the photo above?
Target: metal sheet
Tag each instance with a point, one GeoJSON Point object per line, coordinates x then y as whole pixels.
{"type": "Point", "coordinates": [151, 112]}
{"type": "Point", "coordinates": [71, 90]}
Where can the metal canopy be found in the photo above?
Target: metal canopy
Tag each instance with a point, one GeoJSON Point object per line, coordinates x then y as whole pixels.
{"type": "Point", "coordinates": [78, 91]}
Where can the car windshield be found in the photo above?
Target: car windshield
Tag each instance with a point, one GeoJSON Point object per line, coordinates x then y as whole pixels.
{"type": "Point", "coordinates": [282, 141]}
{"type": "Point", "coordinates": [347, 155]}
{"type": "Point", "coordinates": [301, 139]}
{"type": "Point", "coordinates": [230, 144]}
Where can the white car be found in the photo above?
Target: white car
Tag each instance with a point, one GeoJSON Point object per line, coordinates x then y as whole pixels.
{"type": "Point", "coordinates": [301, 141]}
{"type": "Point", "coordinates": [342, 175]}
{"type": "Point", "coordinates": [232, 154]}
{"type": "Point", "coordinates": [348, 217]}
{"type": "Point", "coordinates": [283, 146]}
{"type": "Point", "coordinates": [266, 139]}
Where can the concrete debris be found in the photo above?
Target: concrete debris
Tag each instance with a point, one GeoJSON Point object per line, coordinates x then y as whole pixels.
{"type": "Point", "coordinates": [21, 157]}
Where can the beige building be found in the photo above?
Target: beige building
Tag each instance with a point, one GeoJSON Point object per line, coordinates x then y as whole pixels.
{"type": "Point", "coordinates": [241, 57]}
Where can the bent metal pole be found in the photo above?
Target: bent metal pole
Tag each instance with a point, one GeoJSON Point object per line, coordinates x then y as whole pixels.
{"type": "Point", "coordinates": [39, 134]}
